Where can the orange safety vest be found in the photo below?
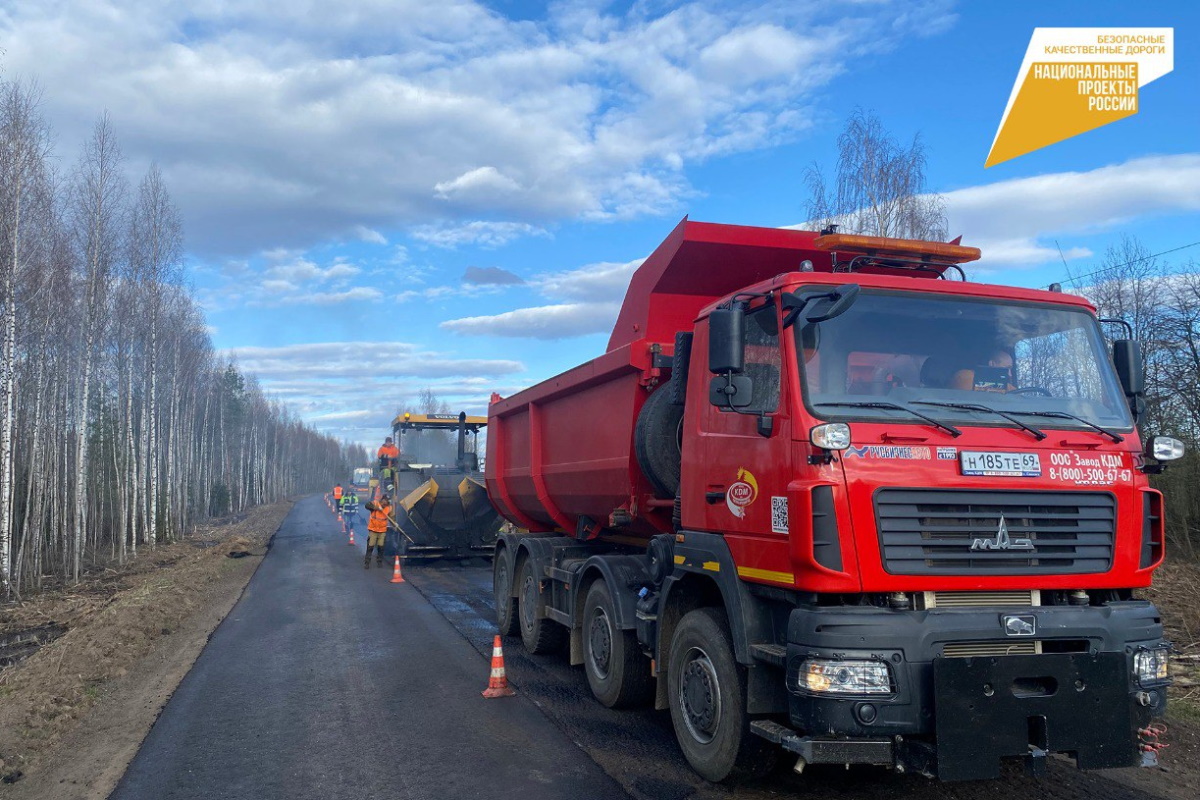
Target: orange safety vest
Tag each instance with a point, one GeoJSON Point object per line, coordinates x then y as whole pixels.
{"type": "Point", "coordinates": [379, 518]}
{"type": "Point", "coordinates": [337, 493]}
{"type": "Point", "coordinates": [389, 451]}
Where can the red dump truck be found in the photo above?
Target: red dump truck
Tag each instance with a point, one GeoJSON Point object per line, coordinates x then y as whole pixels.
{"type": "Point", "coordinates": [821, 495]}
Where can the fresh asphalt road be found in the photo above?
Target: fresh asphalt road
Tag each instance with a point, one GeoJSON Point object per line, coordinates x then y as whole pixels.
{"type": "Point", "coordinates": [327, 681]}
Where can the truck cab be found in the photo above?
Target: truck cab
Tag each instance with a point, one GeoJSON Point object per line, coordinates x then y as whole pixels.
{"type": "Point", "coordinates": [945, 467]}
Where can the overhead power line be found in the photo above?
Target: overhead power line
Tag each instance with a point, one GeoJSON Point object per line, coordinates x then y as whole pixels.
{"type": "Point", "coordinates": [1074, 279]}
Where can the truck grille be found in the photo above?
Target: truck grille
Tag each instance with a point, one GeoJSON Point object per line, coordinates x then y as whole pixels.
{"type": "Point", "coordinates": [974, 649]}
{"type": "Point", "coordinates": [934, 531]}
{"type": "Point", "coordinates": [1020, 597]}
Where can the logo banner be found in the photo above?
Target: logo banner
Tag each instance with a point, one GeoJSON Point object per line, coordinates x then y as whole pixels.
{"type": "Point", "coordinates": [1074, 80]}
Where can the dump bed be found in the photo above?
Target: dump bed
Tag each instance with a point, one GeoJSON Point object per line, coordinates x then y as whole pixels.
{"type": "Point", "coordinates": [563, 450]}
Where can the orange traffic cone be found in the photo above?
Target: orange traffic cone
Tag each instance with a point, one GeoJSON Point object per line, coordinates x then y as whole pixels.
{"type": "Point", "coordinates": [396, 576]}
{"type": "Point", "coordinates": [351, 542]}
{"type": "Point", "coordinates": [498, 682]}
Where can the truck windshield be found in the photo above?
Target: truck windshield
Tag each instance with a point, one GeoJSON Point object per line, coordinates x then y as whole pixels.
{"type": "Point", "coordinates": [962, 360]}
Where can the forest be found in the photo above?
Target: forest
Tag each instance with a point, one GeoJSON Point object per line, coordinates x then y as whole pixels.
{"type": "Point", "coordinates": [121, 427]}
{"type": "Point", "coordinates": [1160, 300]}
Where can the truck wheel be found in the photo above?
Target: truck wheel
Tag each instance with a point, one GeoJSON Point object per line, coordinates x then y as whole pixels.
{"type": "Point", "coordinates": [539, 634]}
{"type": "Point", "coordinates": [506, 604]}
{"type": "Point", "coordinates": [706, 690]}
{"type": "Point", "coordinates": [616, 669]}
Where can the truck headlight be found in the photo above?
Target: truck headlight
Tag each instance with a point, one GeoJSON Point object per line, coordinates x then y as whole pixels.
{"type": "Point", "coordinates": [1150, 666]}
{"type": "Point", "coordinates": [831, 436]}
{"type": "Point", "coordinates": [844, 676]}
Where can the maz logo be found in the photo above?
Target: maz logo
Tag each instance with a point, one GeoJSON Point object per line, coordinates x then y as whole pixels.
{"type": "Point", "coordinates": [1002, 540]}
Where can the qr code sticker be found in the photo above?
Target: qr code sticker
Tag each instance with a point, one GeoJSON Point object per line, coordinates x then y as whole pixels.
{"type": "Point", "coordinates": [779, 515]}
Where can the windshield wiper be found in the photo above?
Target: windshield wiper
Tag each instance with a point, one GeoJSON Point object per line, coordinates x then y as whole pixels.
{"type": "Point", "coordinates": [1116, 437]}
{"type": "Point", "coordinates": [1038, 434]}
{"type": "Point", "coordinates": [950, 429]}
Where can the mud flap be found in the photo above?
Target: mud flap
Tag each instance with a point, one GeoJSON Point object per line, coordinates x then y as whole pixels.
{"type": "Point", "coordinates": [1074, 703]}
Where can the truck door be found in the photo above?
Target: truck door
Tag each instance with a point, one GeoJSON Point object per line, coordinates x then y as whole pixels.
{"type": "Point", "coordinates": [742, 474]}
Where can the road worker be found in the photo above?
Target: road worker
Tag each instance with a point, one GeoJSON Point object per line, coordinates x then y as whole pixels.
{"type": "Point", "coordinates": [350, 509]}
{"type": "Point", "coordinates": [377, 526]}
{"type": "Point", "coordinates": [337, 498]}
{"type": "Point", "coordinates": [388, 454]}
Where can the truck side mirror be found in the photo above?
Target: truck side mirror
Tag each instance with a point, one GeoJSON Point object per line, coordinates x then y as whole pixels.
{"type": "Point", "coordinates": [727, 340]}
{"type": "Point", "coordinates": [1127, 358]}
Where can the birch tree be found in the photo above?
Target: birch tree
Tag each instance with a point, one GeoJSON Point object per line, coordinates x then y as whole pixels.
{"type": "Point", "coordinates": [879, 187]}
{"type": "Point", "coordinates": [156, 250]}
{"type": "Point", "coordinates": [99, 208]}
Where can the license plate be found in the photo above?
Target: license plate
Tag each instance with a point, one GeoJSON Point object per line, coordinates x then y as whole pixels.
{"type": "Point", "coordinates": [996, 465]}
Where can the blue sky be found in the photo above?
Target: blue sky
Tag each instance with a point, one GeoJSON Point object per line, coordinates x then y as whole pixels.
{"type": "Point", "coordinates": [387, 195]}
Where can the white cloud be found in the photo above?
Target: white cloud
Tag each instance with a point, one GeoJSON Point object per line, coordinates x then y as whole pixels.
{"type": "Point", "coordinates": [478, 232]}
{"type": "Point", "coordinates": [341, 415]}
{"type": "Point", "coordinates": [1011, 221]}
{"type": "Point", "coordinates": [368, 235]}
{"type": "Point", "coordinates": [356, 360]}
{"type": "Point", "coordinates": [603, 282]}
{"type": "Point", "coordinates": [596, 292]}
{"type": "Point", "coordinates": [353, 390]}
{"type": "Point", "coordinates": [302, 270]}
{"type": "Point", "coordinates": [288, 279]}
{"type": "Point", "coordinates": [436, 292]}
{"type": "Point", "coordinates": [350, 118]}
{"type": "Point", "coordinates": [358, 293]}
{"type": "Point", "coordinates": [543, 322]}
{"type": "Point", "coordinates": [483, 187]}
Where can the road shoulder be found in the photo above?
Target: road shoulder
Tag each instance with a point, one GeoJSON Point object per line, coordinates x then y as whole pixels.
{"type": "Point", "coordinates": [76, 712]}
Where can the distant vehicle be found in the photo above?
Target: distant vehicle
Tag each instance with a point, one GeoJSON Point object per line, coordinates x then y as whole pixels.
{"type": "Point", "coordinates": [362, 478]}
{"type": "Point", "coordinates": [441, 503]}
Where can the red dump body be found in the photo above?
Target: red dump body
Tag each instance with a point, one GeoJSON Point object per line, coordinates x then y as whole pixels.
{"type": "Point", "coordinates": [563, 449]}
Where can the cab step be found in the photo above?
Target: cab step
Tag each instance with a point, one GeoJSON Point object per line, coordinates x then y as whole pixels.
{"type": "Point", "coordinates": [773, 654]}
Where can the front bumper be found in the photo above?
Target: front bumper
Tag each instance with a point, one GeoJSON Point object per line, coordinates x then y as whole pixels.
{"type": "Point", "coordinates": [959, 717]}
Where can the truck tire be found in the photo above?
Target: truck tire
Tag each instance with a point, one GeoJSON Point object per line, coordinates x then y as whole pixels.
{"type": "Point", "coordinates": [617, 672]}
{"type": "Point", "coordinates": [680, 364]}
{"type": "Point", "coordinates": [506, 604]}
{"type": "Point", "coordinates": [706, 690]}
{"type": "Point", "coordinates": [656, 442]}
{"type": "Point", "coordinates": [540, 635]}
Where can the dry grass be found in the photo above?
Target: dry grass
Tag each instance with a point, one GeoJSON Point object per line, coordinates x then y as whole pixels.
{"type": "Point", "coordinates": [113, 617]}
{"type": "Point", "coordinates": [1176, 592]}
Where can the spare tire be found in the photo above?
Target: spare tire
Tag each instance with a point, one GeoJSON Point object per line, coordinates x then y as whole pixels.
{"type": "Point", "coordinates": [656, 441]}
